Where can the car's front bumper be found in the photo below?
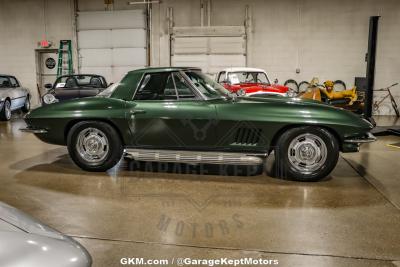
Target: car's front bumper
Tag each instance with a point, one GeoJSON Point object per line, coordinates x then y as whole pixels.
{"type": "Point", "coordinates": [367, 138]}
{"type": "Point", "coordinates": [352, 144]}
{"type": "Point", "coordinates": [1, 104]}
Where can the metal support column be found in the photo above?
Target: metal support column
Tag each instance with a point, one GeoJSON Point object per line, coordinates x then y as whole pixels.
{"type": "Point", "coordinates": [371, 59]}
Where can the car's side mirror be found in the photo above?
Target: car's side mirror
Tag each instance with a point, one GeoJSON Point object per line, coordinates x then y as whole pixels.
{"type": "Point", "coordinates": [48, 86]}
{"type": "Point", "coordinates": [276, 81]}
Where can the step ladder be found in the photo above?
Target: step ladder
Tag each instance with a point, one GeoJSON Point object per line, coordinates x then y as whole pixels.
{"type": "Point", "coordinates": [64, 66]}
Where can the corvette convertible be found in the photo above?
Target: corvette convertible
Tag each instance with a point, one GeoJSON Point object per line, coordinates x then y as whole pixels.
{"type": "Point", "coordinates": [181, 115]}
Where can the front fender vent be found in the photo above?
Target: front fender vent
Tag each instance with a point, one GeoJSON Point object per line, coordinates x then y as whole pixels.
{"type": "Point", "coordinates": [247, 137]}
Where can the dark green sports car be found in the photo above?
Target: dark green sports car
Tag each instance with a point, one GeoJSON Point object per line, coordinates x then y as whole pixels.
{"type": "Point", "coordinates": [180, 115]}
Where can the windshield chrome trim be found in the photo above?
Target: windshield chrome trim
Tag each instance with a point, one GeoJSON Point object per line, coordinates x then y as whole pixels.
{"type": "Point", "coordinates": [203, 96]}
{"type": "Point", "coordinates": [197, 92]}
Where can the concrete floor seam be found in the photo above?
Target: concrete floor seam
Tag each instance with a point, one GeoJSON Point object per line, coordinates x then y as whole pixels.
{"type": "Point", "coordinates": [370, 183]}
{"type": "Point", "coordinates": [232, 248]}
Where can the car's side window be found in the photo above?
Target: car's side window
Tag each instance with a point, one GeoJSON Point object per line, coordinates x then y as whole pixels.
{"type": "Point", "coordinates": [182, 87]}
{"type": "Point", "coordinates": [221, 77]}
{"type": "Point", "coordinates": [70, 83]}
{"type": "Point", "coordinates": [170, 91]}
{"type": "Point", "coordinates": [14, 82]}
{"type": "Point", "coordinates": [156, 86]}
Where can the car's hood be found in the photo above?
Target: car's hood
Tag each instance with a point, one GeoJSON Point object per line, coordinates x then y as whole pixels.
{"type": "Point", "coordinates": [257, 87]}
{"type": "Point", "coordinates": [22, 234]}
{"type": "Point", "coordinates": [23, 222]}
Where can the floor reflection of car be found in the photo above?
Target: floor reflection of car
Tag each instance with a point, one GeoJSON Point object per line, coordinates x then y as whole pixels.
{"type": "Point", "coordinates": [24, 241]}
{"type": "Point", "coordinates": [250, 81]}
{"type": "Point", "coordinates": [74, 86]}
{"type": "Point", "coordinates": [180, 115]}
{"type": "Point", "coordinates": [12, 97]}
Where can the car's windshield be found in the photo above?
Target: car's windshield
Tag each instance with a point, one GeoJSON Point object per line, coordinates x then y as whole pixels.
{"type": "Point", "coordinates": [207, 86]}
{"type": "Point", "coordinates": [108, 92]}
{"type": "Point", "coordinates": [248, 77]}
{"type": "Point", "coordinates": [73, 81]}
{"type": "Point", "coordinates": [4, 82]}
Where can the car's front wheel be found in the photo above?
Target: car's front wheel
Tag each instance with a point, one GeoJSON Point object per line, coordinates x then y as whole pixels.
{"type": "Point", "coordinates": [5, 112]}
{"type": "Point", "coordinates": [94, 145]}
{"type": "Point", "coordinates": [306, 154]}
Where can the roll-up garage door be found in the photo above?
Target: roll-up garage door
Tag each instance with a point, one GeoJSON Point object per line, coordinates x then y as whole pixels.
{"type": "Point", "coordinates": [209, 48]}
{"type": "Point", "coordinates": [112, 43]}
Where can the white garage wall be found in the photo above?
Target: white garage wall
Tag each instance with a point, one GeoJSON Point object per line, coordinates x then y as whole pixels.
{"type": "Point", "coordinates": [111, 43]}
{"type": "Point", "coordinates": [23, 24]}
{"type": "Point", "coordinates": [322, 38]}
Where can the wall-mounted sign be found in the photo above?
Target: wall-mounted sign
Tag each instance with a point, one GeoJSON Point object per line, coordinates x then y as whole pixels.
{"type": "Point", "coordinates": [50, 63]}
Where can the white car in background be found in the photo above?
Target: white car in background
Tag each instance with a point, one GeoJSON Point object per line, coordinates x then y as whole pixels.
{"type": "Point", "coordinates": [12, 97]}
{"type": "Point", "coordinates": [26, 242]}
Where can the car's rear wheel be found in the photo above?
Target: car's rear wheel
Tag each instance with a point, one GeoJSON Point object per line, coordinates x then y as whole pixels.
{"type": "Point", "coordinates": [5, 113]}
{"type": "Point", "coordinates": [27, 104]}
{"type": "Point", "coordinates": [306, 154]}
{"type": "Point", "coordinates": [94, 145]}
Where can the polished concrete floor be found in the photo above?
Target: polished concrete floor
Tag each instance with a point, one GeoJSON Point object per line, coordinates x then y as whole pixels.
{"type": "Point", "coordinates": [352, 218]}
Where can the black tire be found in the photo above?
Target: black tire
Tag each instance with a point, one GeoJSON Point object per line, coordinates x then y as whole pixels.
{"type": "Point", "coordinates": [285, 169]}
{"type": "Point", "coordinates": [115, 147]}
{"type": "Point", "coordinates": [339, 85]}
{"type": "Point", "coordinates": [293, 85]}
{"type": "Point", "coordinates": [303, 86]}
{"type": "Point", "coordinates": [27, 104]}
{"type": "Point", "coordinates": [5, 112]}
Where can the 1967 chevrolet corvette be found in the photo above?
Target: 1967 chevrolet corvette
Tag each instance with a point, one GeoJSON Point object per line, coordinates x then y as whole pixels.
{"type": "Point", "coordinates": [180, 115]}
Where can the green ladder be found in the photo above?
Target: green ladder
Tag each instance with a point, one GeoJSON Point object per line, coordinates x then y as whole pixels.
{"type": "Point", "coordinates": [64, 66]}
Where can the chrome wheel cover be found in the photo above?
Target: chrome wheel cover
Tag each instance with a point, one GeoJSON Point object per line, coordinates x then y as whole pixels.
{"type": "Point", "coordinates": [92, 145]}
{"type": "Point", "coordinates": [7, 110]}
{"type": "Point", "coordinates": [307, 153]}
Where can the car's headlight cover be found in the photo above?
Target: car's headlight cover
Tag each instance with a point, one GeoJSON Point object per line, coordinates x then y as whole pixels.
{"type": "Point", "coordinates": [49, 99]}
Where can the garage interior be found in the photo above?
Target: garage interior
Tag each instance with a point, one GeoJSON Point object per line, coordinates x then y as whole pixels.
{"type": "Point", "coordinates": [351, 218]}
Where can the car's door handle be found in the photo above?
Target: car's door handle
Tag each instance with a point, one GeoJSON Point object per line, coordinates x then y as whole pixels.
{"type": "Point", "coordinates": [137, 111]}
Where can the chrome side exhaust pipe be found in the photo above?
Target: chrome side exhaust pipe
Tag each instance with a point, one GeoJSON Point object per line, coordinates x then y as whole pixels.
{"type": "Point", "coordinates": [195, 157]}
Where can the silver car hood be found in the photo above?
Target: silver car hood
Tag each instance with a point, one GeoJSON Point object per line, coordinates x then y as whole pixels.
{"type": "Point", "coordinates": [24, 241]}
{"type": "Point", "coordinates": [26, 223]}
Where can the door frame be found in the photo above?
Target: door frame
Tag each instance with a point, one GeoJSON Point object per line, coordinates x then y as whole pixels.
{"type": "Point", "coordinates": [38, 56]}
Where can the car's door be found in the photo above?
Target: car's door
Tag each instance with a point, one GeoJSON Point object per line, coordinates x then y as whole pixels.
{"type": "Point", "coordinates": [66, 90]}
{"type": "Point", "coordinates": [88, 91]}
{"type": "Point", "coordinates": [167, 113]}
{"type": "Point", "coordinates": [94, 87]}
{"type": "Point", "coordinates": [5, 89]}
{"type": "Point", "coordinates": [18, 94]}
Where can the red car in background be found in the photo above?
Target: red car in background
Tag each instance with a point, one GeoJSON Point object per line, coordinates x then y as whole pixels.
{"type": "Point", "coordinates": [251, 82]}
